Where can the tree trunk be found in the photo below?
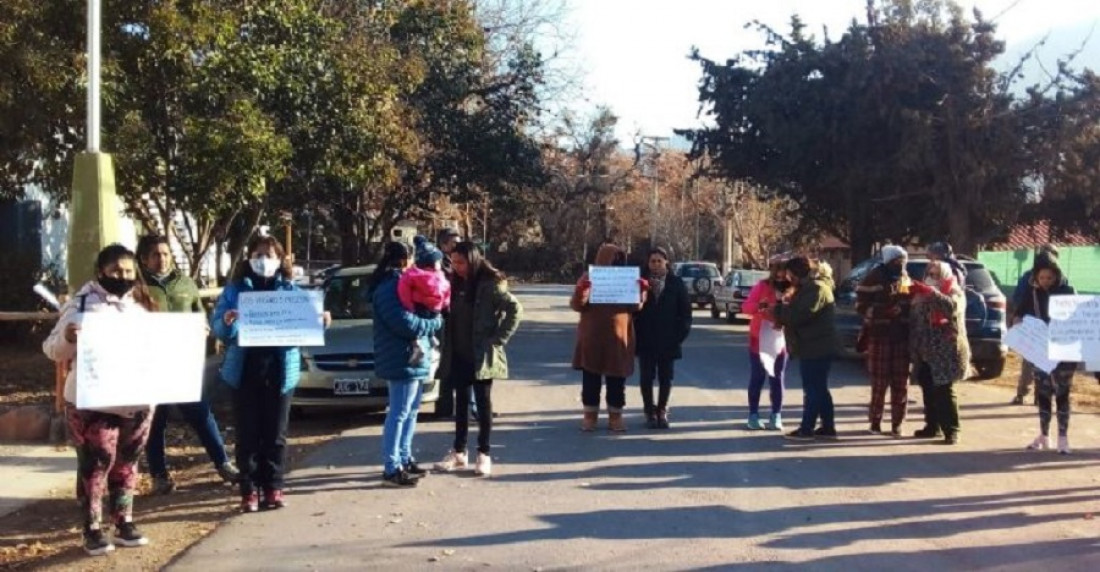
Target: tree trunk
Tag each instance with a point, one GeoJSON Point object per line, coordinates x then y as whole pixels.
{"type": "Point", "coordinates": [349, 233]}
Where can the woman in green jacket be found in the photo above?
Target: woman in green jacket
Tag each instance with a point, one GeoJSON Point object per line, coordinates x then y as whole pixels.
{"type": "Point", "coordinates": [806, 314]}
{"type": "Point", "coordinates": [484, 316]}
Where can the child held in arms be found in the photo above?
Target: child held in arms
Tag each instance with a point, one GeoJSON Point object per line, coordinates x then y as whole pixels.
{"type": "Point", "coordinates": [425, 288]}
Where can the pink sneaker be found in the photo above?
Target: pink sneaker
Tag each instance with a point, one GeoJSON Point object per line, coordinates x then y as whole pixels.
{"type": "Point", "coordinates": [1063, 445]}
{"type": "Point", "coordinates": [452, 462]}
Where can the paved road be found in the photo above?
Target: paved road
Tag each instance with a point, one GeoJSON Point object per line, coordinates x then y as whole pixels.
{"type": "Point", "coordinates": [705, 495]}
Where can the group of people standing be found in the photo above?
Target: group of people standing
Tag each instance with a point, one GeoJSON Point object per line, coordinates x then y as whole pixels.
{"type": "Point", "coordinates": [109, 441]}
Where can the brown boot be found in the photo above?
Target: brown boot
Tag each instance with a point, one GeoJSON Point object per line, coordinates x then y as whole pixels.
{"type": "Point", "coordinates": [591, 416]}
{"type": "Point", "coordinates": [615, 422]}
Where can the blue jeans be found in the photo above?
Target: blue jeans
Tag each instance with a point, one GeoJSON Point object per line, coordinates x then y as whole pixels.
{"type": "Point", "coordinates": [397, 434]}
{"type": "Point", "coordinates": [758, 375]}
{"type": "Point", "coordinates": [818, 402]}
{"type": "Point", "coordinates": [199, 416]}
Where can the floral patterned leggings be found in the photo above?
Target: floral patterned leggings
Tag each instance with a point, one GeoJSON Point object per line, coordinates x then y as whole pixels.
{"type": "Point", "coordinates": [108, 447]}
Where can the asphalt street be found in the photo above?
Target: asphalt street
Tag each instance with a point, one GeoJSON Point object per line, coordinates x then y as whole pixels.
{"type": "Point", "coordinates": [705, 495]}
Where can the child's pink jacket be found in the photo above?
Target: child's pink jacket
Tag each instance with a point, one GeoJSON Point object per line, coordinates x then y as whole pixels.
{"type": "Point", "coordinates": [428, 289]}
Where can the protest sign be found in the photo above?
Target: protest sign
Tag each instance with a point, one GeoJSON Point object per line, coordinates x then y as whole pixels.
{"type": "Point", "coordinates": [281, 318]}
{"type": "Point", "coordinates": [614, 285]}
{"type": "Point", "coordinates": [139, 358]}
{"type": "Point", "coordinates": [1075, 328]}
{"type": "Point", "coordinates": [1031, 339]}
{"type": "Point", "coordinates": [772, 343]}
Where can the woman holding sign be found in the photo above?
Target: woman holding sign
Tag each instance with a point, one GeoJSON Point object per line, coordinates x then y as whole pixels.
{"type": "Point", "coordinates": [1048, 280]}
{"type": "Point", "coordinates": [263, 378]}
{"type": "Point", "coordinates": [108, 442]}
{"type": "Point", "coordinates": [605, 345]}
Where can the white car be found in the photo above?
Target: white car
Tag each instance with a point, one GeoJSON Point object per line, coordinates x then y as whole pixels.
{"type": "Point", "coordinates": [341, 373]}
{"type": "Point", "coordinates": [733, 291]}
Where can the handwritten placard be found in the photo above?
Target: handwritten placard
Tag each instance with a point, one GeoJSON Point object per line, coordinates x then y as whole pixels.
{"type": "Point", "coordinates": [614, 285]}
{"type": "Point", "coordinates": [1031, 339]}
{"type": "Point", "coordinates": [281, 318]}
{"type": "Point", "coordinates": [139, 358]}
{"type": "Point", "coordinates": [1075, 328]}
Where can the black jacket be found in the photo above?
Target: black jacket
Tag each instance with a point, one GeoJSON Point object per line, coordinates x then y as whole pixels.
{"type": "Point", "coordinates": [663, 323]}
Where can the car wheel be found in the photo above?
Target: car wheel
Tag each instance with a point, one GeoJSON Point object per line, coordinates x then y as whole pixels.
{"type": "Point", "coordinates": [731, 317]}
{"type": "Point", "coordinates": [990, 369]}
{"type": "Point", "coordinates": [715, 312]}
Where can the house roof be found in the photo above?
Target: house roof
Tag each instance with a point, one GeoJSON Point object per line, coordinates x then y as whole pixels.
{"type": "Point", "coordinates": [830, 242]}
{"type": "Point", "coordinates": [1034, 235]}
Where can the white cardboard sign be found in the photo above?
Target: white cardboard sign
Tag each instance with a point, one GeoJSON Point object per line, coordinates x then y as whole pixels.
{"type": "Point", "coordinates": [1075, 328]}
{"type": "Point", "coordinates": [139, 358]}
{"type": "Point", "coordinates": [282, 318]}
{"type": "Point", "coordinates": [614, 285]}
{"type": "Point", "coordinates": [1031, 339]}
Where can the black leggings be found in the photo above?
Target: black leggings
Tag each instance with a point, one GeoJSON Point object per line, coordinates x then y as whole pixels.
{"type": "Point", "coordinates": [462, 375]}
{"type": "Point", "coordinates": [592, 383]}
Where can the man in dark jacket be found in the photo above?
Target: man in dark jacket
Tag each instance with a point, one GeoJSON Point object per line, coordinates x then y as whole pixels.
{"type": "Point", "coordinates": [174, 291]}
{"type": "Point", "coordinates": [661, 327]}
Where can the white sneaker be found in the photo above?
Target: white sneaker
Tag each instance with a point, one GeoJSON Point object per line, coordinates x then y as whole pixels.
{"type": "Point", "coordinates": [452, 462]}
{"type": "Point", "coordinates": [1041, 443]}
{"type": "Point", "coordinates": [1063, 445]}
{"type": "Point", "coordinates": [484, 466]}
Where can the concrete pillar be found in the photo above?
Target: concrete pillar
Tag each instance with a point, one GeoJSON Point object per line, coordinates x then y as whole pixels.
{"type": "Point", "coordinates": [93, 217]}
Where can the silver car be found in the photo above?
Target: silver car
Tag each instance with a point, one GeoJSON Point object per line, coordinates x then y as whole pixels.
{"type": "Point", "coordinates": [341, 373]}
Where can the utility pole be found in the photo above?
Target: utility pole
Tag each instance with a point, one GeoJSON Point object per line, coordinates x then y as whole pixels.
{"type": "Point", "coordinates": [654, 145]}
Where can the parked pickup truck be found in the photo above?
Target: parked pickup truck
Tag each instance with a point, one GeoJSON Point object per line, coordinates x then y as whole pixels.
{"type": "Point", "coordinates": [733, 291]}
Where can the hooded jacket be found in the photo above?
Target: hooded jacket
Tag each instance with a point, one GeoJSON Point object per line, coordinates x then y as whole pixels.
{"type": "Point", "coordinates": [605, 334]}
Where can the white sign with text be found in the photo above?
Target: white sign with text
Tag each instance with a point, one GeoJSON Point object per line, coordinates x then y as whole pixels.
{"type": "Point", "coordinates": [772, 345]}
{"type": "Point", "coordinates": [614, 285]}
{"type": "Point", "coordinates": [139, 358]}
{"type": "Point", "coordinates": [1075, 328]}
{"type": "Point", "coordinates": [282, 318]}
{"type": "Point", "coordinates": [1031, 339]}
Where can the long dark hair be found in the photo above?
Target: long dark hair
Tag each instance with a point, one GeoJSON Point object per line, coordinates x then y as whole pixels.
{"type": "Point", "coordinates": [392, 255]}
{"type": "Point", "coordinates": [243, 268]}
{"type": "Point", "coordinates": [800, 266]}
{"type": "Point", "coordinates": [116, 252]}
{"type": "Point", "coordinates": [479, 268]}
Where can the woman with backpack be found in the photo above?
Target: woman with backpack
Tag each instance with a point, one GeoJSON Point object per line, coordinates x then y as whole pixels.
{"type": "Point", "coordinates": [108, 441]}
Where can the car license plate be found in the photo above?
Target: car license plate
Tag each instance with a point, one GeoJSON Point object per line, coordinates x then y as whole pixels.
{"type": "Point", "coordinates": [351, 387]}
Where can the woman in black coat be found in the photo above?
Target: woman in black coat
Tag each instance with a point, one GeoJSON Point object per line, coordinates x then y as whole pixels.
{"type": "Point", "coordinates": [661, 327]}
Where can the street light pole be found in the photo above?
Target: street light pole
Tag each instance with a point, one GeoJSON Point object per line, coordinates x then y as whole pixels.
{"type": "Point", "coordinates": [654, 143]}
{"type": "Point", "coordinates": [94, 210]}
{"type": "Point", "coordinates": [95, 17]}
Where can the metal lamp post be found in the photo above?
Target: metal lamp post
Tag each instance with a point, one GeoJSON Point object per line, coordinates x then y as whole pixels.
{"type": "Point", "coordinates": [95, 208]}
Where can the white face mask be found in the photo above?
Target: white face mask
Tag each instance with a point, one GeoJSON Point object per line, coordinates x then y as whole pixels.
{"type": "Point", "coordinates": [265, 267]}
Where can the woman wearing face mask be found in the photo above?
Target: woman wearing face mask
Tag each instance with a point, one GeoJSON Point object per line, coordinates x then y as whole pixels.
{"type": "Point", "coordinates": [940, 351]}
{"type": "Point", "coordinates": [1048, 280]}
{"type": "Point", "coordinates": [761, 306]}
{"type": "Point", "coordinates": [883, 299]}
{"type": "Point", "coordinates": [263, 378]}
{"type": "Point", "coordinates": [108, 441]}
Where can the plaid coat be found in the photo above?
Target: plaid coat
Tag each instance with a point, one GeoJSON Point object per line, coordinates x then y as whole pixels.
{"type": "Point", "coordinates": [885, 313]}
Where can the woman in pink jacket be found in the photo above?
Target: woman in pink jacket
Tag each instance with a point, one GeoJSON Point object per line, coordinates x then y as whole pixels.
{"type": "Point", "coordinates": [761, 305]}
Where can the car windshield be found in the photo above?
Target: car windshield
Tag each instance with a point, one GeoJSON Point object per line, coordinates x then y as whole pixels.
{"type": "Point", "coordinates": [348, 297]}
{"type": "Point", "coordinates": [698, 271]}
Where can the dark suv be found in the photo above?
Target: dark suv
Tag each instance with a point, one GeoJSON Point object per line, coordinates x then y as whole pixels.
{"type": "Point", "coordinates": [701, 279]}
{"type": "Point", "coordinates": [985, 312]}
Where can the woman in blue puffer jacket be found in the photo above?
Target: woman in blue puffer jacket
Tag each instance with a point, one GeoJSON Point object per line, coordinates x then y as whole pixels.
{"type": "Point", "coordinates": [395, 330]}
{"type": "Point", "coordinates": [263, 378]}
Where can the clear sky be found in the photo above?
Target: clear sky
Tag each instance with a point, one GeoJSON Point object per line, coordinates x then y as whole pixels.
{"type": "Point", "coordinates": [634, 52]}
